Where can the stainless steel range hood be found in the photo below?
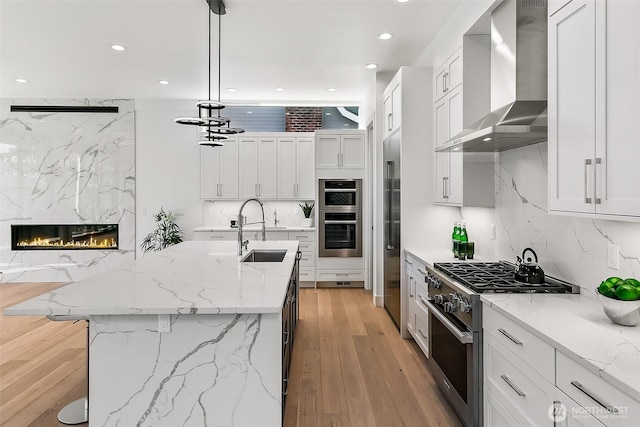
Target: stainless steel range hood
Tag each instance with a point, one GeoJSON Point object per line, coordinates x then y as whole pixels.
{"type": "Point", "coordinates": [518, 82]}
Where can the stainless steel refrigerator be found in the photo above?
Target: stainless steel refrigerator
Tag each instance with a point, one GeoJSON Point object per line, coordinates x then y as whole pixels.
{"type": "Point", "coordinates": [391, 222]}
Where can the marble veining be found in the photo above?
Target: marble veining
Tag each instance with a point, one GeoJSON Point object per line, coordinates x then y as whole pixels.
{"type": "Point", "coordinates": [577, 326]}
{"type": "Point", "coordinates": [66, 168]}
{"type": "Point", "coordinates": [193, 277]}
{"type": "Point", "coordinates": [216, 214]}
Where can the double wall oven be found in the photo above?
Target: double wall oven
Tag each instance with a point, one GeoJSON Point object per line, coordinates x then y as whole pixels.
{"type": "Point", "coordinates": [340, 218]}
{"type": "Point", "coordinates": [455, 325]}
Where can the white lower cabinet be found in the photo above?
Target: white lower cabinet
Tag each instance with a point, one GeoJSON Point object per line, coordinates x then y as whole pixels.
{"type": "Point", "coordinates": [307, 248]}
{"type": "Point", "coordinates": [528, 382]}
{"type": "Point", "coordinates": [215, 235]}
{"type": "Point", "coordinates": [417, 316]}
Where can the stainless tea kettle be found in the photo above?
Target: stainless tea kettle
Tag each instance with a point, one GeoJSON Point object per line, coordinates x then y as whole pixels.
{"type": "Point", "coordinates": [529, 272]}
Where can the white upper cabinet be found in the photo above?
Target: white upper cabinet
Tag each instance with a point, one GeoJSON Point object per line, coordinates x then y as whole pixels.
{"type": "Point", "coordinates": [257, 177]}
{"type": "Point", "coordinates": [219, 171]}
{"type": "Point", "coordinates": [448, 116]}
{"type": "Point", "coordinates": [448, 76]}
{"type": "Point", "coordinates": [296, 167]}
{"type": "Point", "coordinates": [392, 107]}
{"type": "Point", "coordinates": [340, 150]}
{"type": "Point", "coordinates": [594, 109]}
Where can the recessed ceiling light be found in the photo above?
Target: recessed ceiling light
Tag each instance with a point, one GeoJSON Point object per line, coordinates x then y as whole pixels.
{"type": "Point", "coordinates": [163, 82]}
{"type": "Point", "coordinates": [232, 89]}
{"type": "Point", "coordinates": [487, 138]}
{"type": "Point", "coordinates": [22, 81]}
{"type": "Point", "coordinates": [371, 66]}
{"type": "Point", "coordinates": [117, 47]}
{"type": "Point", "coordinates": [384, 36]}
{"type": "Point", "coordinates": [402, 1]}
{"type": "Point", "coordinates": [249, 112]}
{"type": "Point", "coordinates": [332, 89]}
{"type": "Point", "coordinates": [279, 89]}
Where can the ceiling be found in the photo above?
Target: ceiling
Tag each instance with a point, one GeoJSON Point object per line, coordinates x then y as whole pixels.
{"type": "Point", "coordinates": [63, 47]}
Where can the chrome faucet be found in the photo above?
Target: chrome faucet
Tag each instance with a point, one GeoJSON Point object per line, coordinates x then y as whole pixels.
{"type": "Point", "coordinates": [245, 243]}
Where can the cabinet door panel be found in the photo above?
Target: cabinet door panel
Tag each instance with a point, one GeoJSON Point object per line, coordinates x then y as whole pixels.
{"type": "Point", "coordinates": [454, 100]}
{"type": "Point", "coordinates": [439, 83]}
{"type": "Point", "coordinates": [248, 161]}
{"type": "Point", "coordinates": [388, 115]}
{"type": "Point", "coordinates": [352, 151]}
{"type": "Point", "coordinates": [455, 177]}
{"type": "Point", "coordinates": [286, 168]}
{"type": "Point", "coordinates": [266, 166]}
{"type": "Point", "coordinates": [209, 173]}
{"type": "Point", "coordinates": [442, 175]}
{"type": "Point", "coordinates": [618, 176]}
{"type": "Point", "coordinates": [572, 100]}
{"type": "Point", "coordinates": [305, 156]}
{"type": "Point", "coordinates": [454, 76]}
{"type": "Point", "coordinates": [327, 151]}
{"type": "Point", "coordinates": [396, 103]}
{"type": "Point", "coordinates": [229, 169]}
{"type": "Point", "coordinates": [441, 121]}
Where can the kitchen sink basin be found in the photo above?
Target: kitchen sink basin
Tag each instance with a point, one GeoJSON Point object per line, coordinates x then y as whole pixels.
{"type": "Point", "coordinates": [264, 255]}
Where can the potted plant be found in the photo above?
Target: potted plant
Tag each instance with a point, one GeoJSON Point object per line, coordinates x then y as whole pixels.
{"type": "Point", "coordinates": [167, 233]}
{"type": "Point", "coordinates": [306, 210]}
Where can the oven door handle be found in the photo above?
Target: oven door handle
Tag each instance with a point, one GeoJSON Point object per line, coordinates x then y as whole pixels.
{"type": "Point", "coordinates": [463, 337]}
{"type": "Point", "coordinates": [329, 221]}
{"type": "Point", "coordinates": [340, 190]}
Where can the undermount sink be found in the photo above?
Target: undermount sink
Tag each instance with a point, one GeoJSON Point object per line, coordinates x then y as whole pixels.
{"type": "Point", "coordinates": [264, 255]}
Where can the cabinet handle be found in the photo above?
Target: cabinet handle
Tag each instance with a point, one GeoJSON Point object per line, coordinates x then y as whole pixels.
{"type": "Point", "coordinates": [445, 187]}
{"type": "Point", "coordinates": [559, 413]}
{"type": "Point", "coordinates": [592, 396]}
{"type": "Point", "coordinates": [446, 83]}
{"type": "Point", "coordinates": [421, 332]}
{"type": "Point", "coordinates": [516, 389]}
{"type": "Point", "coordinates": [302, 237]}
{"type": "Point", "coordinates": [443, 87]}
{"type": "Point", "coordinates": [587, 162]}
{"type": "Point", "coordinates": [221, 192]}
{"type": "Point", "coordinates": [285, 340]}
{"type": "Point", "coordinates": [342, 274]}
{"type": "Point", "coordinates": [508, 335]}
{"type": "Point", "coordinates": [218, 190]}
{"type": "Point", "coordinates": [410, 287]}
{"type": "Point", "coordinates": [216, 237]}
{"type": "Point", "coordinates": [341, 160]}
{"type": "Point", "coordinates": [597, 199]}
{"type": "Point", "coordinates": [408, 262]}
{"type": "Point", "coordinates": [286, 389]}
{"type": "Point", "coordinates": [390, 121]}
{"type": "Point", "coordinates": [422, 272]}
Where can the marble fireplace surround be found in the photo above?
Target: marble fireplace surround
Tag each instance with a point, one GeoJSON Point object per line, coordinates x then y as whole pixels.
{"type": "Point", "coordinates": [66, 168]}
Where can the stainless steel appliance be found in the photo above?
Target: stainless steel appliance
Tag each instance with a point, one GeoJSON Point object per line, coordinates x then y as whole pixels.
{"type": "Point", "coordinates": [340, 218]}
{"type": "Point", "coordinates": [391, 223]}
{"type": "Point", "coordinates": [455, 325]}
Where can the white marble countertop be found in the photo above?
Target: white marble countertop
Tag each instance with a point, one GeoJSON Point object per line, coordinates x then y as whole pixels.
{"type": "Point", "coordinates": [577, 326]}
{"type": "Point", "coordinates": [253, 227]}
{"type": "Point", "coordinates": [430, 256]}
{"type": "Point", "coordinates": [194, 277]}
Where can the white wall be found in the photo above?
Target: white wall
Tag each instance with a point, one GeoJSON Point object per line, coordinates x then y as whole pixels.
{"type": "Point", "coordinates": [168, 165]}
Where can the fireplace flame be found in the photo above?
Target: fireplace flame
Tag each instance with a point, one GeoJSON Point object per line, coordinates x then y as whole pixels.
{"type": "Point", "coordinates": [58, 243]}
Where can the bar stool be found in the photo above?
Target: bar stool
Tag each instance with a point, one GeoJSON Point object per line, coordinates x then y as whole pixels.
{"type": "Point", "coordinates": [76, 412]}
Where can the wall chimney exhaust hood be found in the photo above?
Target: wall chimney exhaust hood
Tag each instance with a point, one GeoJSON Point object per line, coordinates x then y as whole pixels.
{"type": "Point", "coordinates": [518, 114]}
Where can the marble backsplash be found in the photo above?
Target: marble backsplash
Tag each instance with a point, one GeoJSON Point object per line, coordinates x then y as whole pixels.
{"type": "Point", "coordinates": [217, 213]}
{"type": "Point", "coordinates": [66, 168]}
{"type": "Point", "coordinates": [568, 247]}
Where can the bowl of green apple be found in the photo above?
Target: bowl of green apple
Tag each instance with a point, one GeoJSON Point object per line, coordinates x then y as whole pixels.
{"type": "Point", "coordinates": [620, 300]}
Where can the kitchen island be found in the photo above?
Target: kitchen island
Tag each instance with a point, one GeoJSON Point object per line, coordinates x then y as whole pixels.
{"type": "Point", "coordinates": [186, 336]}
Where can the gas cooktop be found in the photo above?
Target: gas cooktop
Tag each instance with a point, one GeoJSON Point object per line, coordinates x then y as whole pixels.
{"type": "Point", "coordinates": [486, 277]}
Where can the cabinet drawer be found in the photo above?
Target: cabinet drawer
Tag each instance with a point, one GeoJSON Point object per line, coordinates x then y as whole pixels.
{"type": "Point", "coordinates": [308, 259]}
{"type": "Point", "coordinates": [339, 275]}
{"type": "Point", "coordinates": [215, 235]}
{"type": "Point", "coordinates": [305, 246]}
{"type": "Point", "coordinates": [415, 265]}
{"type": "Point", "coordinates": [608, 404]}
{"type": "Point", "coordinates": [307, 274]}
{"type": "Point", "coordinates": [531, 349]}
{"type": "Point", "coordinates": [495, 414]}
{"type": "Point", "coordinates": [521, 389]}
{"type": "Point", "coordinates": [303, 236]}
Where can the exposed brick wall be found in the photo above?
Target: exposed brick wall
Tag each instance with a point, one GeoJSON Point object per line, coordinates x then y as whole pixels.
{"type": "Point", "coordinates": [303, 119]}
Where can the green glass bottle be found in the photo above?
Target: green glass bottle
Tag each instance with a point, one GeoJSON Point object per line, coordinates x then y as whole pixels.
{"type": "Point", "coordinates": [455, 238]}
{"type": "Point", "coordinates": [463, 233]}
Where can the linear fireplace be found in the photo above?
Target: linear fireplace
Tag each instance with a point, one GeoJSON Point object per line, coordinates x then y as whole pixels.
{"type": "Point", "coordinates": [64, 237]}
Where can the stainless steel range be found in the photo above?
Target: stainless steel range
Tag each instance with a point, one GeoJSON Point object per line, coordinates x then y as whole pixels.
{"type": "Point", "coordinates": [455, 325]}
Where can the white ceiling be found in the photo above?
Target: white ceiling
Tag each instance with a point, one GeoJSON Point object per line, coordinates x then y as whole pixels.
{"type": "Point", "coordinates": [62, 47]}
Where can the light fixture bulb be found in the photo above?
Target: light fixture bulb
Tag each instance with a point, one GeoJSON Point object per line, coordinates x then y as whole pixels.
{"type": "Point", "coordinates": [163, 82]}
{"type": "Point", "coordinates": [371, 66]}
{"type": "Point", "coordinates": [117, 47]}
{"type": "Point", "coordinates": [22, 81]}
{"type": "Point", "coordinates": [332, 89]}
{"type": "Point", "coordinates": [279, 89]}
{"type": "Point", "coordinates": [232, 89]}
{"type": "Point", "coordinates": [487, 139]}
{"type": "Point", "coordinates": [385, 36]}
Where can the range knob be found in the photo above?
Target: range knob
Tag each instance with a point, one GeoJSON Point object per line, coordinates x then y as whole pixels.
{"type": "Point", "coordinates": [449, 307]}
{"type": "Point", "coordinates": [465, 306]}
{"type": "Point", "coordinates": [433, 281]}
{"type": "Point", "coordinates": [438, 299]}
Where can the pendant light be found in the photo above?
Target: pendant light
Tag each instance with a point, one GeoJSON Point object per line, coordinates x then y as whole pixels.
{"type": "Point", "coordinates": [215, 128]}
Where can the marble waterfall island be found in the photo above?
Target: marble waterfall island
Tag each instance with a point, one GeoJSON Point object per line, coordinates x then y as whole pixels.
{"type": "Point", "coordinates": [220, 360]}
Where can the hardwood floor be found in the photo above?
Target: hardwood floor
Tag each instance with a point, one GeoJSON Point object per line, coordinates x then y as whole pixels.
{"type": "Point", "coordinates": [42, 363]}
{"type": "Point", "coordinates": [349, 368]}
